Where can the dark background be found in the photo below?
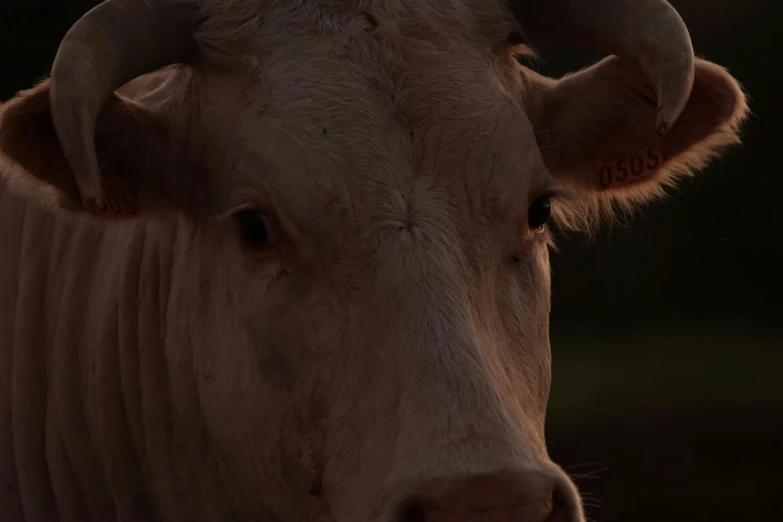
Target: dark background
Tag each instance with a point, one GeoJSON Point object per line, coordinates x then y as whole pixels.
{"type": "Point", "coordinates": [667, 336]}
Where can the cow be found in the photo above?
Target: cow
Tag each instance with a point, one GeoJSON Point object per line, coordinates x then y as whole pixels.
{"type": "Point", "coordinates": [287, 260]}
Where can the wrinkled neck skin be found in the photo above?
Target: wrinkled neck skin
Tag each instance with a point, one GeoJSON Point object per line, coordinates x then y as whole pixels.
{"type": "Point", "coordinates": [100, 417]}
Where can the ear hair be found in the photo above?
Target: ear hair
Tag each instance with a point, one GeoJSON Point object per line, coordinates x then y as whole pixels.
{"type": "Point", "coordinates": [596, 133]}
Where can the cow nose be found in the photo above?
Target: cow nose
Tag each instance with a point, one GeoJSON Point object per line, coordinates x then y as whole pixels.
{"type": "Point", "coordinates": [532, 497]}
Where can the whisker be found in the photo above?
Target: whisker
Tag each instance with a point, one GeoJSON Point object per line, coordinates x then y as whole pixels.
{"type": "Point", "coordinates": [582, 465]}
{"type": "Point", "coordinates": [589, 475]}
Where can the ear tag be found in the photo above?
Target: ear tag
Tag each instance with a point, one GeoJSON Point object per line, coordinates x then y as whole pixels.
{"type": "Point", "coordinates": [614, 171]}
{"type": "Point", "coordinates": [116, 202]}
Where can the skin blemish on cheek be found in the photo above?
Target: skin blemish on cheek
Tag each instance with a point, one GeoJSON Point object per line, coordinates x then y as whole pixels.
{"type": "Point", "coordinates": [371, 20]}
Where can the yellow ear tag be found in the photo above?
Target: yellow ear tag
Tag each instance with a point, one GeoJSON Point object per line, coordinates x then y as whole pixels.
{"type": "Point", "coordinates": [615, 171]}
{"type": "Point", "coordinates": [117, 203]}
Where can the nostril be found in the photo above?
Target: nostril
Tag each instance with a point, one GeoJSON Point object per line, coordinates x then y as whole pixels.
{"type": "Point", "coordinates": [529, 497]}
{"type": "Point", "coordinates": [412, 512]}
{"type": "Point", "coordinates": [561, 507]}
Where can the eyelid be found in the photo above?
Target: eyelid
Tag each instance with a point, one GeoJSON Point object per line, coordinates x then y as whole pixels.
{"type": "Point", "coordinates": [555, 194]}
{"type": "Point", "coordinates": [232, 211]}
{"type": "Point", "coordinates": [247, 200]}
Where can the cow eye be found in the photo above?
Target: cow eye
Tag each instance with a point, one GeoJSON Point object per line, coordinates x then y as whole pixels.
{"type": "Point", "coordinates": [256, 229]}
{"type": "Point", "coordinates": [538, 213]}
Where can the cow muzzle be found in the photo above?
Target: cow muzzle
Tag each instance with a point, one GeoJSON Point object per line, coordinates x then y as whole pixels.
{"type": "Point", "coordinates": [530, 496]}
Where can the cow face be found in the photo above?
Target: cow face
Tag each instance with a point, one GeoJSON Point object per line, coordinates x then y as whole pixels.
{"type": "Point", "coordinates": [363, 294]}
{"type": "Point", "coordinates": [383, 242]}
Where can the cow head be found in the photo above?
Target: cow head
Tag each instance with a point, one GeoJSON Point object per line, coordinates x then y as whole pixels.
{"type": "Point", "coordinates": [355, 201]}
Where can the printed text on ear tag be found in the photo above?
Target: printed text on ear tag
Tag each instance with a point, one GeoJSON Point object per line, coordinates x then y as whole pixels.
{"type": "Point", "coordinates": [115, 203]}
{"type": "Point", "coordinates": [617, 171]}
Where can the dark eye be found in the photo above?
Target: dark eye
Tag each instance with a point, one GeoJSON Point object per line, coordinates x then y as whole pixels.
{"type": "Point", "coordinates": [538, 213]}
{"type": "Point", "coordinates": [256, 229]}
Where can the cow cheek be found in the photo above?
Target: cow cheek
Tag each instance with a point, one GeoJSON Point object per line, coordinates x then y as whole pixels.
{"type": "Point", "coordinates": [525, 360]}
{"type": "Point", "coordinates": [263, 400]}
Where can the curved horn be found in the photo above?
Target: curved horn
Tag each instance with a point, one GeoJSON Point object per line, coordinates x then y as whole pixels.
{"type": "Point", "coordinates": [648, 31]}
{"type": "Point", "coordinates": [112, 44]}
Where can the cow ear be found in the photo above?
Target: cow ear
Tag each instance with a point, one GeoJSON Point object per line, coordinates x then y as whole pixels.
{"type": "Point", "coordinates": [596, 133]}
{"type": "Point", "coordinates": [133, 143]}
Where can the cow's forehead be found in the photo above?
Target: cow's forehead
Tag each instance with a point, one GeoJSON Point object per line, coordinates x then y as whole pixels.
{"type": "Point", "coordinates": [386, 120]}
